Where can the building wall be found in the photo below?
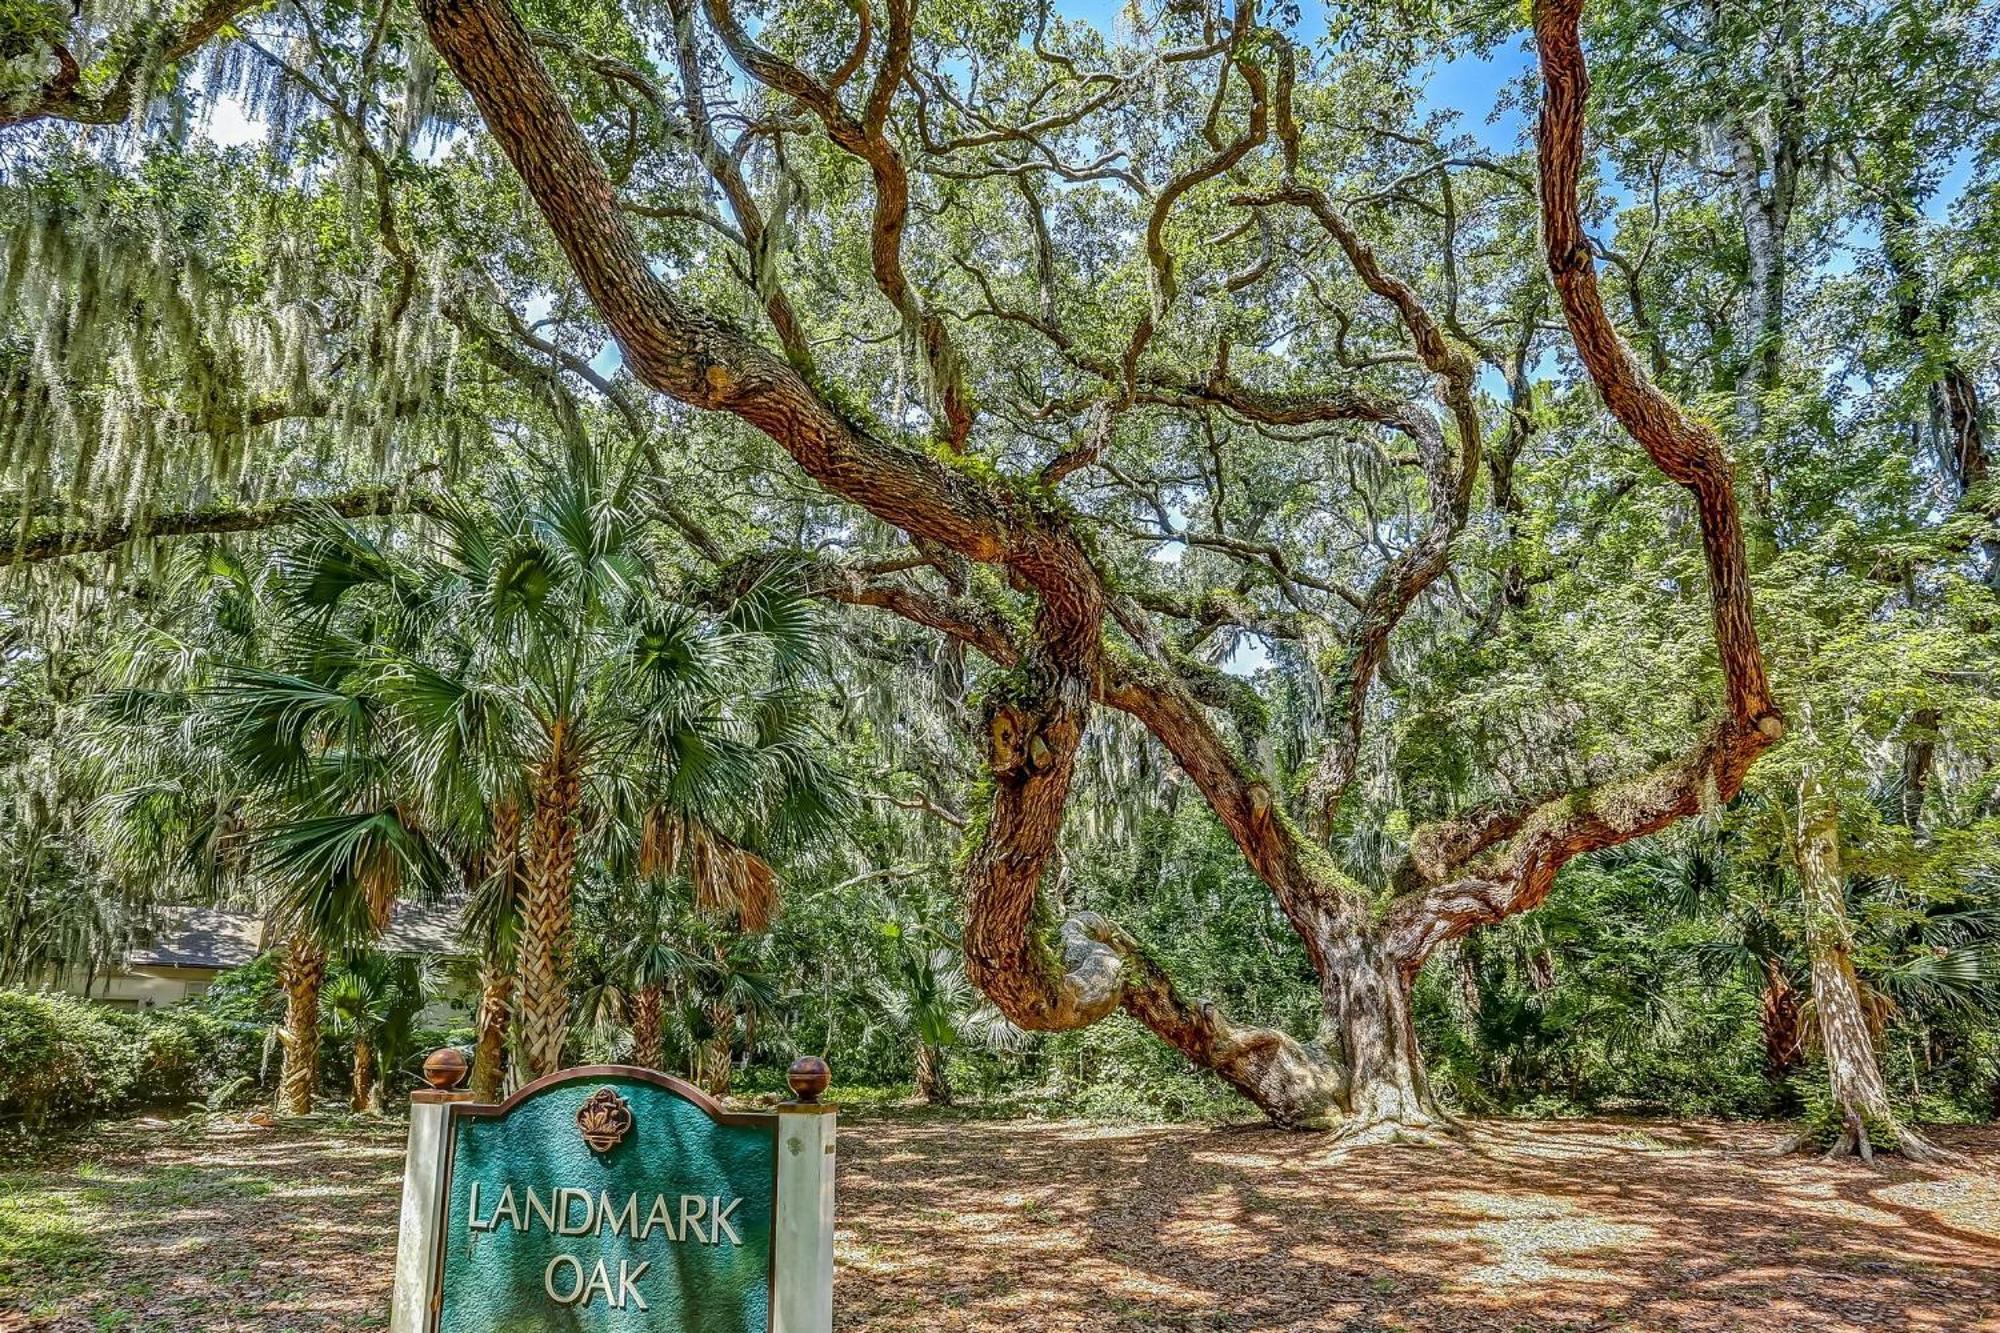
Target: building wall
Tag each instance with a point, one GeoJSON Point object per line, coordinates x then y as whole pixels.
{"type": "Point", "coordinates": [143, 988]}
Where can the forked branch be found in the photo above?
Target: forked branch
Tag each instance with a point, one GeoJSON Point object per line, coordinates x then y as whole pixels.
{"type": "Point", "coordinates": [1482, 870]}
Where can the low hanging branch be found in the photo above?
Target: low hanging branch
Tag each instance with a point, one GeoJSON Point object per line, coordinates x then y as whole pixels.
{"type": "Point", "coordinates": [367, 502]}
{"type": "Point", "coordinates": [107, 96]}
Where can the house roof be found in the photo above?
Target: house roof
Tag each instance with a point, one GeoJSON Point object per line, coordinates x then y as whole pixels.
{"type": "Point", "coordinates": [199, 937]}
{"type": "Point", "coordinates": [212, 938]}
{"type": "Point", "coordinates": [422, 930]}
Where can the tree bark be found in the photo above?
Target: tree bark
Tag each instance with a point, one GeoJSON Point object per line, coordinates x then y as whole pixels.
{"type": "Point", "coordinates": [303, 972]}
{"type": "Point", "coordinates": [546, 908]}
{"type": "Point", "coordinates": [646, 1043]}
{"type": "Point", "coordinates": [79, 539]}
{"type": "Point", "coordinates": [364, 1096]}
{"type": "Point", "coordinates": [496, 972]}
{"type": "Point", "coordinates": [1920, 739]}
{"type": "Point", "coordinates": [933, 1086]}
{"type": "Point", "coordinates": [715, 1059]}
{"type": "Point", "coordinates": [1365, 997]}
{"type": "Point", "coordinates": [1779, 1019]}
{"type": "Point", "coordinates": [1861, 1105]}
{"type": "Point", "coordinates": [489, 1055]}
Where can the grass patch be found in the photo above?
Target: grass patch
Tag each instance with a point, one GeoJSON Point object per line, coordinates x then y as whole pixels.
{"type": "Point", "coordinates": [47, 1246]}
{"type": "Point", "coordinates": [177, 1186]}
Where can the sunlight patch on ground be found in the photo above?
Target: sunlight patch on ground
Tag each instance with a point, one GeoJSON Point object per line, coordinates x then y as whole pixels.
{"type": "Point", "coordinates": [1963, 1200]}
{"type": "Point", "coordinates": [1861, 1212]}
{"type": "Point", "coordinates": [1249, 1161]}
{"type": "Point", "coordinates": [1530, 1237]}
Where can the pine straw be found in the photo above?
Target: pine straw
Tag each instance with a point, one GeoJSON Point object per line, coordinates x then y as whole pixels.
{"type": "Point", "coordinates": [1004, 1227]}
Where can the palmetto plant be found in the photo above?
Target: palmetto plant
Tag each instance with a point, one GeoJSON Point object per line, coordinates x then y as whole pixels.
{"type": "Point", "coordinates": [725, 1003]}
{"type": "Point", "coordinates": [375, 999]}
{"type": "Point", "coordinates": [655, 962]}
{"type": "Point", "coordinates": [1916, 956]}
{"type": "Point", "coordinates": [518, 684]}
{"type": "Point", "coordinates": [924, 997]}
{"type": "Point", "coordinates": [273, 782]}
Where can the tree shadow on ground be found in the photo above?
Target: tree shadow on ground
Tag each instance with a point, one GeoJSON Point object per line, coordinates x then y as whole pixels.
{"type": "Point", "coordinates": [224, 1227]}
{"type": "Point", "coordinates": [986, 1227]}
{"type": "Point", "coordinates": [1578, 1225]}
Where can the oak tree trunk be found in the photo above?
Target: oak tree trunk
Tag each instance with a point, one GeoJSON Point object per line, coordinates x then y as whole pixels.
{"type": "Point", "coordinates": [304, 971]}
{"type": "Point", "coordinates": [1366, 1021]}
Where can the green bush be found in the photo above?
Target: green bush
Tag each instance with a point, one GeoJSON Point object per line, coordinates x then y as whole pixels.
{"type": "Point", "coordinates": [63, 1058]}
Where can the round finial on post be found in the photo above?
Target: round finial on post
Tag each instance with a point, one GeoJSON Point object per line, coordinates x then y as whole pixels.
{"type": "Point", "coordinates": [809, 1077]}
{"type": "Point", "coordinates": [445, 1068]}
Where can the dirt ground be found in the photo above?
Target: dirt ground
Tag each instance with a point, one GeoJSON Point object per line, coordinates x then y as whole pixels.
{"type": "Point", "coordinates": [980, 1227]}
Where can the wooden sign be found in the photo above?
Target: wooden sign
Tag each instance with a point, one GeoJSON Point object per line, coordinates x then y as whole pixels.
{"type": "Point", "coordinates": [611, 1197]}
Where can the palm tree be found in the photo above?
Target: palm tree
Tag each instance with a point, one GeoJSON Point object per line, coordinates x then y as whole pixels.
{"type": "Point", "coordinates": [925, 998]}
{"type": "Point", "coordinates": [375, 1000]}
{"type": "Point", "coordinates": [491, 924]}
{"type": "Point", "coordinates": [523, 679]}
{"type": "Point", "coordinates": [652, 961]}
{"type": "Point", "coordinates": [1711, 876]}
{"type": "Point", "coordinates": [1895, 953]}
{"type": "Point", "coordinates": [339, 876]}
{"type": "Point", "coordinates": [273, 783]}
{"type": "Point", "coordinates": [730, 995]}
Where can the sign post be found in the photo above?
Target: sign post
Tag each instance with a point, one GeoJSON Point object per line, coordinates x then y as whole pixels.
{"type": "Point", "coordinates": [615, 1197]}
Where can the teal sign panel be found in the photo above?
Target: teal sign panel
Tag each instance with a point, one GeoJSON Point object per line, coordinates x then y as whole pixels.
{"type": "Point", "coordinates": [607, 1198]}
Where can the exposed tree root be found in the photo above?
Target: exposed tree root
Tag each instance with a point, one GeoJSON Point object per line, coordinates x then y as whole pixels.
{"type": "Point", "coordinates": [1854, 1141]}
{"type": "Point", "coordinates": [1430, 1128]}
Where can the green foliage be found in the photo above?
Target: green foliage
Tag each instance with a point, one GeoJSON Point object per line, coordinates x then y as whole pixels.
{"type": "Point", "coordinates": [63, 1058]}
{"type": "Point", "coordinates": [319, 721]}
{"type": "Point", "coordinates": [1116, 1070]}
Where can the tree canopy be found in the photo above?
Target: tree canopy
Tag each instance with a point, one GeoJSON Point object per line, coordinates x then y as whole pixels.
{"type": "Point", "coordinates": [1212, 451]}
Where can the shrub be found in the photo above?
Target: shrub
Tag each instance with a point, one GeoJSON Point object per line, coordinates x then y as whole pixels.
{"type": "Point", "coordinates": [61, 1057]}
{"type": "Point", "coordinates": [64, 1058]}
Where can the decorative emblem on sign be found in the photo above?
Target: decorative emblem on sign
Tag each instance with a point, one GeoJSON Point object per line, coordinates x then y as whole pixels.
{"type": "Point", "coordinates": [604, 1120]}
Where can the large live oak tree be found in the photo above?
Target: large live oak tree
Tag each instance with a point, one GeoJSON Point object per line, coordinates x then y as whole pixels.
{"type": "Point", "coordinates": [1088, 644]}
{"type": "Point", "coordinates": [1044, 369]}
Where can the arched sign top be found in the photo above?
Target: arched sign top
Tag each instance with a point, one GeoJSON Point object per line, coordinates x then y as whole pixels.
{"type": "Point", "coordinates": [616, 1198]}
{"type": "Point", "coordinates": [681, 1088]}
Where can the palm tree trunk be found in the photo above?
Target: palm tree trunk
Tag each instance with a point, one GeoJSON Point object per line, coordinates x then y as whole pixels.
{"type": "Point", "coordinates": [716, 1057]}
{"type": "Point", "coordinates": [646, 1026]}
{"type": "Point", "coordinates": [1779, 1019]}
{"type": "Point", "coordinates": [545, 912]}
{"type": "Point", "coordinates": [304, 970]}
{"type": "Point", "coordinates": [363, 1098]}
{"type": "Point", "coordinates": [489, 1056]}
{"type": "Point", "coordinates": [1860, 1098]}
{"type": "Point", "coordinates": [933, 1086]}
{"type": "Point", "coordinates": [496, 973]}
